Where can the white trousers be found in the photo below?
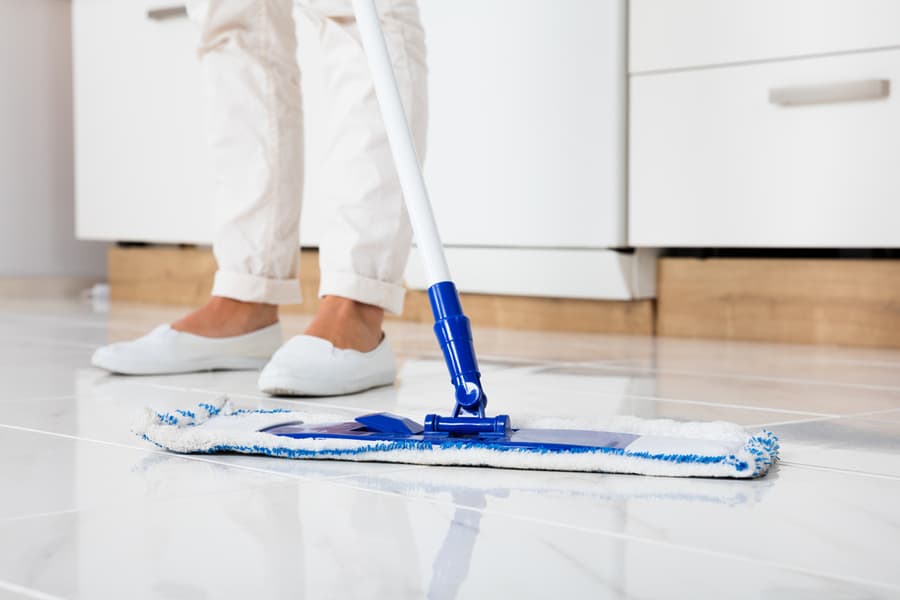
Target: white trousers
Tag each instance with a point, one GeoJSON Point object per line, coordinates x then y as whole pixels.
{"type": "Point", "coordinates": [248, 52]}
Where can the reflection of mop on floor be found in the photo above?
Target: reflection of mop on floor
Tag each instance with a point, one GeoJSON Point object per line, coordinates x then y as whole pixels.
{"type": "Point", "coordinates": [453, 559]}
{"type": "Point", "coordinates": [553, 486]}
{"type": "Point", "coordinates": [470, 492]}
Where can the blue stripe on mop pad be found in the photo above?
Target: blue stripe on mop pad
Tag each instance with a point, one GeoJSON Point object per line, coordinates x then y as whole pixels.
{"type": "Point", "coordinates": [659, 447]}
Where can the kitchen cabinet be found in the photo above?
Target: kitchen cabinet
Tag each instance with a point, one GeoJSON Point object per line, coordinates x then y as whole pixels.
{"type": "Point", "coordinates": [764, 123]}
{"type": "Point", "coordinates": [142, 169]}
{"type": "Point", "coordinates": [526, 152]}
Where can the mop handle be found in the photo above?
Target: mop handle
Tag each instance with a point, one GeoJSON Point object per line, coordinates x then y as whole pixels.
{"type": "Point", "coordinates": [451, 325]}
{"type": "Point", "coordinates": [403, 147]}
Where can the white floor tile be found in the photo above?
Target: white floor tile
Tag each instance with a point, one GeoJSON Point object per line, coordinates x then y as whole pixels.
{"type": "Point", "coordinates": [87, 510]}
{"type": "Point", "coordinates": [273, 542]}
{"type": "Point", "coordinates": [864, 445]}
{"type": "Point", "coordinates": [799, 518]}
{"type": "Point", "coordinates": [44, 473]}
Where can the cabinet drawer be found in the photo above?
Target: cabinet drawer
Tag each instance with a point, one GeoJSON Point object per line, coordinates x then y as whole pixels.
{"type": "Point", "coordinates": [744, 156]}
{"type": "Point", "coordinates": [690, 33]}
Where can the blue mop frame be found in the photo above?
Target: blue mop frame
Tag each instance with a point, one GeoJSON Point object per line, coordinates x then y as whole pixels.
{"type": "Point", "coordinates": [454, 334]}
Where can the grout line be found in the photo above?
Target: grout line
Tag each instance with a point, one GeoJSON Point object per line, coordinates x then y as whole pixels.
{"type": "Point", "coordinates": [198, 458]}
{"type": "Point", "coordinates": [798, 465]}
{"type": "Point", "coordinates": [27, 592]}
{"type": "Point", "coordinates": [316, 404]}
{"type": "Point", "coordinates": [126, 501]}
{"type": "Point", "coordinates": [49, 513]}
{"type": "Point", "coordinates": [857, 362]}
{"type": "Point", "coordinates": [860, 415]}
{"type": "Point", "coordinates": [38, 398]}
{"type": "Point", "coordinates": [872, 413]}
{"type": "Point", "coordinates": [14, 316]}
{"type": "Point", "coordinates": [245, 395]}
{"type": "Point", "coordinates": [190, 457]}
{"type": "Point", "coordinates": [747, 377]}
{"type": "Point", "coordinates": [787, 411]}
{"type": "Point", "coordinates": [812, 360]}
{"type": "Point", "coordinates": [51, 342]}
{"type": "Point", "coordinates": [281, 479]}
{"type": "Point", "coordinates": [796, 422]}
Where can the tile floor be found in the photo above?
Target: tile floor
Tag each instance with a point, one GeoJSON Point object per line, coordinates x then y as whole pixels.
{"type": "Point", "coordinates": [89, 511]}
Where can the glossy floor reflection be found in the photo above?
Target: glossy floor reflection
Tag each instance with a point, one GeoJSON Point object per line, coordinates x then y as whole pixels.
{"type": "Point", "coordinates": [89, 511]}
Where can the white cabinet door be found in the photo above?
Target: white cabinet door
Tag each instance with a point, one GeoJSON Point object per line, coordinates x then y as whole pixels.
{"type": "Point", "coordinates": [527, 121]}
{"type": "Point", "coordinates": [717, 161]}
{"type": "Point", "coordinates": [143, 168]}
{"type": "Point", "coordinates": [142, 171]}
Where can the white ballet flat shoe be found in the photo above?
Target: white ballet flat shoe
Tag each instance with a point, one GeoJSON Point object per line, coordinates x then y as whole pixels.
{"type": "Point", "coordinates": [311, 366]}
{"type": "Point", "coordinates": [166, 351]}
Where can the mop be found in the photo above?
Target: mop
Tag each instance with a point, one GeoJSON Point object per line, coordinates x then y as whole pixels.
{"type": "Point", "coordinates": [467, 437]}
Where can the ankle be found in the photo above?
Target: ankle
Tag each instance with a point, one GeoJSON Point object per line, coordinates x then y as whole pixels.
{"type": "Point", "coordinates": [226, 317]}
{"type": "Point", "coordinates": [348, 324]}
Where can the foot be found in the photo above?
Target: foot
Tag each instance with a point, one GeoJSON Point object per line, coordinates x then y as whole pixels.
{"type": "Point", "coordinates": [342, 352]}
{"type": "Point", "coordinates": [311, 366]}
{"type": "Point", "coordinates": [223, 334]}
{"type": "Point", "coordinates": [348, 324]}
{"type": "Point", "coordinates": [224, 317]}
{"type": "Point", "coordinates": [165, 351]}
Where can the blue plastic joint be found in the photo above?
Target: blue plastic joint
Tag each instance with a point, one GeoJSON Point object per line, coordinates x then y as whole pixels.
{"type": "Point", "coordinates": [454, 335]}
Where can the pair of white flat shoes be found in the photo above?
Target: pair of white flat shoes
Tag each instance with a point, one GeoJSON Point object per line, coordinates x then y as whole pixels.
{"type": "Point", "coordinates": [304, 366]}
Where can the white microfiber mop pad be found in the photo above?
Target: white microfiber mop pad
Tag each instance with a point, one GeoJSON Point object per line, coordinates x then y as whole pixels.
{"type": "Point", "coordinates": [664, 447]}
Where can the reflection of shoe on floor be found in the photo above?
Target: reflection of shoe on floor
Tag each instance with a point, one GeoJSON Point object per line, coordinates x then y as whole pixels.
{"type": "Point", "coordinates": [165, 351]}
{"type": "Point", "coordinates": [311, 366]}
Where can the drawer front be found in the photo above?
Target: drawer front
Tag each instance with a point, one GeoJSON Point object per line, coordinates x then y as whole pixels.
{"type": "Point", "coordinates": [802, 153]}
{"type": "Point", "coordinates": [690, 33]}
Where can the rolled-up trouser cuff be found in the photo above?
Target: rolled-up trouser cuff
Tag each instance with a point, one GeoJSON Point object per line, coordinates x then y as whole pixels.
{"type": "Point", "coordinates": [388, 296]}
{"type": "Point", "coordinates": [252, 288]}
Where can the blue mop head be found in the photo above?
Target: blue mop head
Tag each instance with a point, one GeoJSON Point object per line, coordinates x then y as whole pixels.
{"type": "Point", "coordinates": [654, 447]}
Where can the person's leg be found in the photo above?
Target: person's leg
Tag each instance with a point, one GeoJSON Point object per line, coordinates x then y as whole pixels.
{"type": "Point", "coordinates": [248, 55]}
{"type": "Point", "coordinates": [364, 250]}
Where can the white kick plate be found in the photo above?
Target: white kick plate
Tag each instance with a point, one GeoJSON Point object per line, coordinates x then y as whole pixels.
{"type": "Point", "coordinates": [599, 274]}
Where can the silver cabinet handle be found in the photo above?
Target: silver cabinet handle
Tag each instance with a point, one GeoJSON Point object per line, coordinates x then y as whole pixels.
{"type": "Point", "coordinates": [826, 93]}
{"type": "Point", "coordinates": [167, 12]}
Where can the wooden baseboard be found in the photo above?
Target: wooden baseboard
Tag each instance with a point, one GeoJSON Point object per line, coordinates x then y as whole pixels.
{"type": "Point", "coordinates": [184, 276]}
{"type": "Point", "coordinates": [634, 317]}
{"type": "Point", "coordinates": [818, 301]}
{"type": "Point", "coordinates": [842, 302]}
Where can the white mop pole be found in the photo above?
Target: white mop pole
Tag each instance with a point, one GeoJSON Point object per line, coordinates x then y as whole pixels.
{"type": "Point", "coordinates": [451, 325]}
{"type": "Point", "coordinates": [403, 147]}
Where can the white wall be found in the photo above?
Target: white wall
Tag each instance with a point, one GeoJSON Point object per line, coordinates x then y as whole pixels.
{"type": "Point", "coordinates": [37, 228]}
